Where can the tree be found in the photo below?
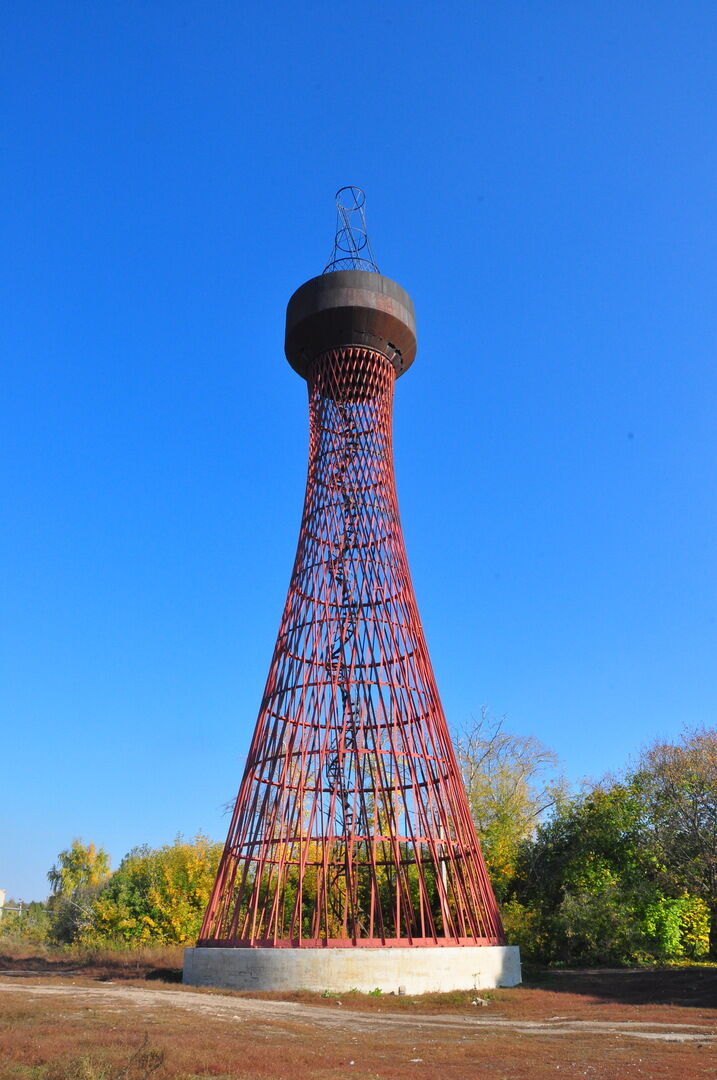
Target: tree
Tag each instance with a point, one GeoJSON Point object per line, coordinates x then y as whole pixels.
{"type": "Point", "coordinates": [593, 832]}
{"type": "Point", "coordinates": [511, 782]}
{"type": "Point", "coordinates": [27, 922]}
{"type": "Point", "coordinates": [582, 875]}
{"type": "Point", "coordinates": [593, 884]}
{"type": "Point", "coordinates": [75, 880]}
{"type": "Point", "coordinates": [678, 786]}
{"type": "Point", "coordinates": [156, 896]}
{"type": "Point", "coordinates": [79, 866]}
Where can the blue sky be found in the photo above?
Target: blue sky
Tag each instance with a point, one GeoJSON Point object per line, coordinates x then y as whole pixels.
{"type": "Point", "coordinates": [542, 178]}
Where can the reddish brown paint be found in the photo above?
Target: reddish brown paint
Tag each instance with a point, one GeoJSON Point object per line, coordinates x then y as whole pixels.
{"type": "Point", "coordinates": [351, 827]}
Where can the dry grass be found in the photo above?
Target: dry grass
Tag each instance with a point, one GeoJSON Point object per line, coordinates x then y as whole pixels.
{"type": "Point", "coordinates": [81, 1034]}
{"type": "Point", "coordinates": [159, 962]}
{"type": "Point", "coordinates": [55, 1042]}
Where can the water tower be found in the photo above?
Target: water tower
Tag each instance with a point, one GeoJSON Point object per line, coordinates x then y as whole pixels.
{"type": "Point", "coordinates": [351, 859]}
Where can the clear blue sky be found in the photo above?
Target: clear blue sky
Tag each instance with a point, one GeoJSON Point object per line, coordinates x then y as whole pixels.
{"type": "Point", "coordinates": [542, 178]}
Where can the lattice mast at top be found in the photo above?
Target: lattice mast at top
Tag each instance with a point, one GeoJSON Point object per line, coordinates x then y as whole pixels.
{"type": "Point", "coordinates": [352, 247]}
{"type": "Point", "coordinates": [351, 827]}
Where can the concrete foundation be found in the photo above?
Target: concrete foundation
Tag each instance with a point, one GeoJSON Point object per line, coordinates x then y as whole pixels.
{"type": "Point", "coordinates": [413, 970]}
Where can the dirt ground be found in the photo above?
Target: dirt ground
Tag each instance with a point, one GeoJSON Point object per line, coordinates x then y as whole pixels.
{"type": "Point", "coordinates": [100, 1023]}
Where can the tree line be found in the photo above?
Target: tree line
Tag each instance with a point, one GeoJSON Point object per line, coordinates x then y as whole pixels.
{"type": "Point", "coordinates": [623, 871]}
{"type": "Point", "coordinates": [156, 896]}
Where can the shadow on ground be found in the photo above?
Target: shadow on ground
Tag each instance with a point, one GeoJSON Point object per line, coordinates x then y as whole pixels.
{"type": "Point", "coordinates": [694, 987]}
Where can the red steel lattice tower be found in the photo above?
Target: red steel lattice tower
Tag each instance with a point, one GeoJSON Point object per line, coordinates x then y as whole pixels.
{"type": "Point", "coordinates": [351, 827]}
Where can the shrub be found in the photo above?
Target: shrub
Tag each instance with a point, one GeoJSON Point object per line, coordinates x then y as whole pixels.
{"type": "Point", "coordinates": [156, 896]}
{"type": "Point", "coordinates": [677, 928]}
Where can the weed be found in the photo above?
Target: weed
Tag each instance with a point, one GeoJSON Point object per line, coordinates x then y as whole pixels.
{"type": "Point", "coordinates": [87, 1067]}
{"type": "Point", "coordinates": [143, 1064]}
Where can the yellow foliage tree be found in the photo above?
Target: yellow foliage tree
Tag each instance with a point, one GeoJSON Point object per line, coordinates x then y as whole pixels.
{"type": "Point", "coordinates": [511, 781]}
{"type": "Point", "coordinates": [157, 896]}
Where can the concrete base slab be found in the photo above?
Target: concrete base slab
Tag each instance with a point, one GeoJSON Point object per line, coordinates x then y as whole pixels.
{"type": "Point", "coordinates": [412, 970]}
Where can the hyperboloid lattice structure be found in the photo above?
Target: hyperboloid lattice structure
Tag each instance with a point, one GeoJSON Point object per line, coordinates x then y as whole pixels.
{"type": "Point", "coordinates": [351, 827]}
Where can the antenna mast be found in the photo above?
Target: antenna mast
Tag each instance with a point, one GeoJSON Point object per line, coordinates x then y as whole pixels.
{"type": "Point", "coordinates": [352, 249]}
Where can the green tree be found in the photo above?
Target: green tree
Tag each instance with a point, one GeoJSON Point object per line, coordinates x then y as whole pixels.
{"type": "Point", "coordinates": [678, 786]}
{"type": "Point", "coordinates": [578, 876]}
{"type": "Point", "coordinates": [593, 882]}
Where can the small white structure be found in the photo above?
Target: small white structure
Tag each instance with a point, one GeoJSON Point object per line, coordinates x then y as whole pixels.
{"type": "Point", "coordinates": [415, 971]}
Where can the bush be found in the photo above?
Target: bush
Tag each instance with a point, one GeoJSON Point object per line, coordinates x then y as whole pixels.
{"type": "Point", "coordinates": [156, 896]}
{"type": "Point", "coordinates": [678, 928]}
{"type": "Point", "coordinates": [523, 927]}
{"type": "Point", "coordinates": [601, 927]}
